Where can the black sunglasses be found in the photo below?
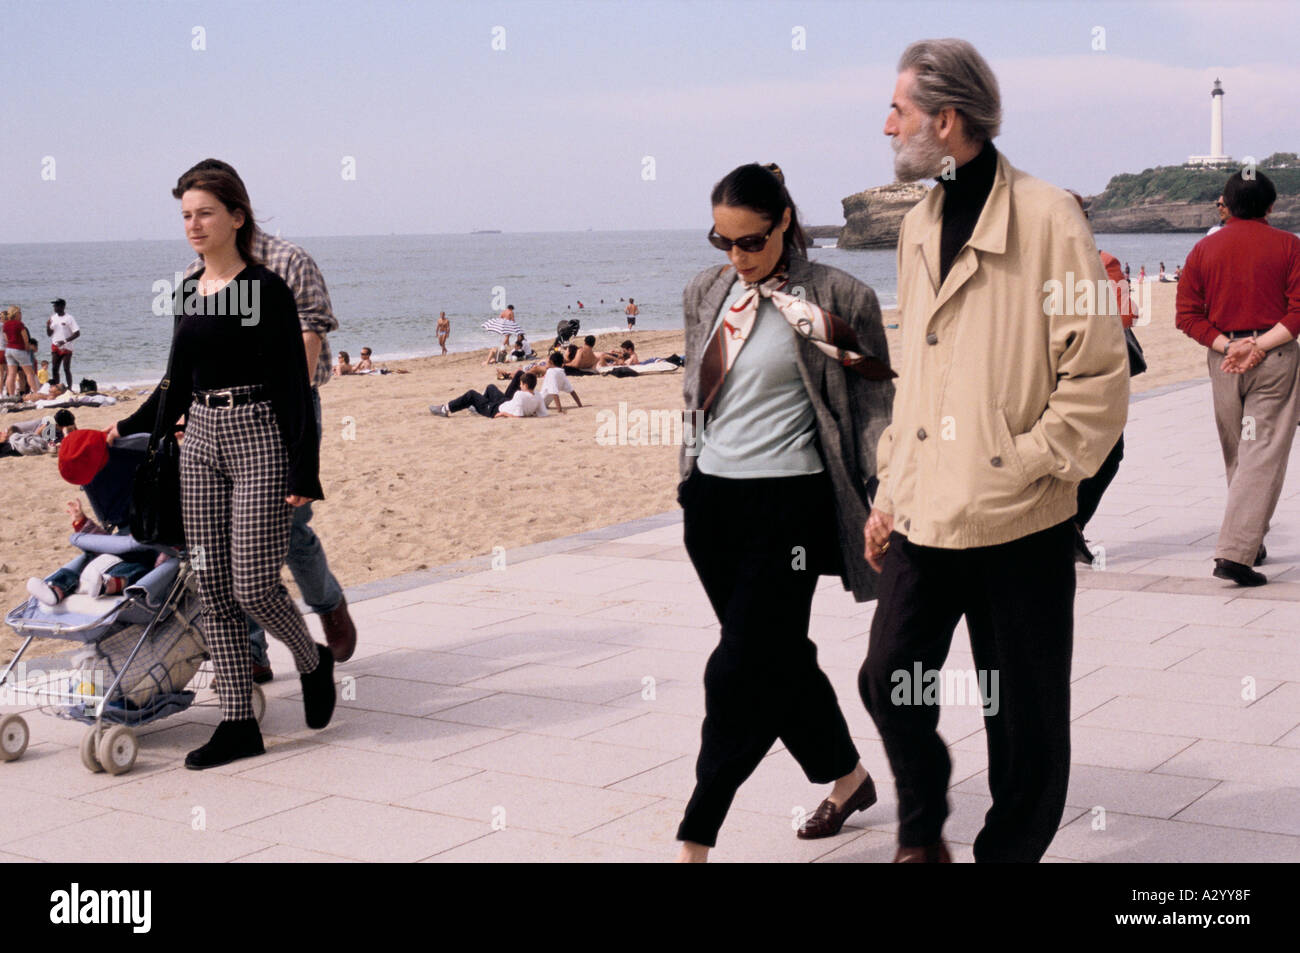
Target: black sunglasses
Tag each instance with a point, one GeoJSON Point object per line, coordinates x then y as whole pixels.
{"type": "Point", "coordinates": [750, 243]}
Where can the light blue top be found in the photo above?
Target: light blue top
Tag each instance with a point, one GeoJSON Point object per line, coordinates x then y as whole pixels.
{"type": "Point", "coordinates": [762, 423]}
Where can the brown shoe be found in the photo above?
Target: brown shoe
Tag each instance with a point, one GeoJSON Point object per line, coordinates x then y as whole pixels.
{"type": "Point", "coordinates": [933, 854]}
{"type": "Point", "coordinates": [262, 674]}
{"type": "Point", "coordinates": [827, 820]}
{"type": "Point", "coordinates": [340, 633]}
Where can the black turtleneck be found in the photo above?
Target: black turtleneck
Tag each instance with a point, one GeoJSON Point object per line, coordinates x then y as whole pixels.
{"type": "Point", "coordinates": [964, 196]}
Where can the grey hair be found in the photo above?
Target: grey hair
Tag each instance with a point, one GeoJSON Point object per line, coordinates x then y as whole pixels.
{"type": "Point", "coordinates": [952, 73]}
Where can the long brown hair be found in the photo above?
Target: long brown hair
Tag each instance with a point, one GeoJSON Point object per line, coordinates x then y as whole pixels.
{"type": "Point", "coordinates": [229, 191]}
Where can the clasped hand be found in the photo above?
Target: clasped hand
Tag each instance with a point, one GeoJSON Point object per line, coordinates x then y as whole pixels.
{"type": "Point", "coordinates": [1242, 355]}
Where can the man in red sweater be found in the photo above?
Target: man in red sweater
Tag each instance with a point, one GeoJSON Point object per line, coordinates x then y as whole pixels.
{"type": "Point", "coordinates": [1239, 296]}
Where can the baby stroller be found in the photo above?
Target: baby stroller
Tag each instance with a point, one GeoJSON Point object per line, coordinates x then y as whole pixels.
{"type": "Point", "coordinates": [143, 654]}
{"type": "Point", "coordinates": [566, 329]}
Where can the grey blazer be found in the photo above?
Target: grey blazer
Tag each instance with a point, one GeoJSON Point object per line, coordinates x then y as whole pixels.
{"type": "Point", "coordinates": [852, 412]}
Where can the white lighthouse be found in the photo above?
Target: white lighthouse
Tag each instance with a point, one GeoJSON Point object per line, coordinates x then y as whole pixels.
{"type": "Point", "coordinates": [1216, 156]}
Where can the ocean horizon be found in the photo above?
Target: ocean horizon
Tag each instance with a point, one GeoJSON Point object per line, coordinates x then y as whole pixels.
{"type": "Point", "coordinates": [387, 290]}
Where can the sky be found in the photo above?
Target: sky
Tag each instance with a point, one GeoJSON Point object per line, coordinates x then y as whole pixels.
{"type": "Point", "coordinates": [350, 118]}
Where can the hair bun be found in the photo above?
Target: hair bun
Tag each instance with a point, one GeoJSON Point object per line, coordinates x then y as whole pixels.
{"type": "Point", "coordinates": [776, 171]}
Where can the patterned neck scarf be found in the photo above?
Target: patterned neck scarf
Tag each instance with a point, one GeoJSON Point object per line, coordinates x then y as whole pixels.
{"type": "Point", "coordinates": [831, 335]}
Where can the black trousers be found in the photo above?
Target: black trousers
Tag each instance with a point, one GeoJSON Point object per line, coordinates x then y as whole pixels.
{"type": "Point", "coordinates": [1092, 489]}
{"type": "Point", "coordinates": [758, 546]}
{"type": "Point", "coordinates": [1018, 600]}
{"type": "Point", "coordinates": [487, 402]}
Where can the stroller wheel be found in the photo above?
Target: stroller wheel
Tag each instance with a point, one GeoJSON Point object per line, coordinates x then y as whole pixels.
{"type": "Point", "coordinates": [13, 737]}
{"type": "Point", "coordinates": [259, 703]}
{"type": "Point", "coordinates": [88, 757]}
{"type": "Point", "coordinates": [117, 749]}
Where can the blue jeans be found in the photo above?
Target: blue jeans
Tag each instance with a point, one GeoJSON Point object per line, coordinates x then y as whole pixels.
{"type": "Point", "coordinates": [306, 560]}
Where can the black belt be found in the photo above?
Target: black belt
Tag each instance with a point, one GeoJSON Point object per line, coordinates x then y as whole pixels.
{"type": "Point", "coordinates": [1244, 334]}
{"type": "Point", "coordinates": [225, 398]}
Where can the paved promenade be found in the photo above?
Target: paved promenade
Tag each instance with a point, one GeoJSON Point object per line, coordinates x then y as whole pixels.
{"type": "Point", "coordinates": [550, 710]}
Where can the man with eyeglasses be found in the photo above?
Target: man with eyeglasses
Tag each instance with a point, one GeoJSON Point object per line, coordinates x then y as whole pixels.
{"type": "Point", "coordinates": [1224, 215]}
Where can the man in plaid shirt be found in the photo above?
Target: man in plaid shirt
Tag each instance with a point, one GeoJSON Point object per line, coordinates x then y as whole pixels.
{"type": "Point", "coordinates": [306, 559]}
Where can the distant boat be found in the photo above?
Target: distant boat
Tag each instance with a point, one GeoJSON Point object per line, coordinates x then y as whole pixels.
{"type": "Point", "coordinates": [486, 231]}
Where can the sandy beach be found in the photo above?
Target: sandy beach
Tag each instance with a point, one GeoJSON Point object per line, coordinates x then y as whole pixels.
{"type": "Point", "coordinates": [407, 490]}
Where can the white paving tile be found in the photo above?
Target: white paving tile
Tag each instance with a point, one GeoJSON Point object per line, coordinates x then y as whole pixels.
{"type": "Point", "coordinates": [505, 801]}
{"type": "Point", "coordinates": [362, 830]}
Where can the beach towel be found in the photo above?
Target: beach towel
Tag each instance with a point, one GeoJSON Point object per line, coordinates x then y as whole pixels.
{"type": "Point", "coordinates": [637, 370]}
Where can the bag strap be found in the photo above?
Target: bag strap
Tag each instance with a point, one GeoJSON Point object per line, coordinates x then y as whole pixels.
{"type": "Point", "coordinates": [155, 437]}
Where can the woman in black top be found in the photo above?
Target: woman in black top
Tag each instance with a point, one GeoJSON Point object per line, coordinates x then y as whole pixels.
{"type": "Point", "coordinates": [249, 455]}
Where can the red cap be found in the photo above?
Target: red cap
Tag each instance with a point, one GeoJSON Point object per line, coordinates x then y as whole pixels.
{"type": "Point", "coordinates": [82, 454]}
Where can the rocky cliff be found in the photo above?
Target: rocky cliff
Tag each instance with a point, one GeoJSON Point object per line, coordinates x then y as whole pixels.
{"type": "Point", "coordinates": [872, 218]}
{"type": "Point", "coordinates": [1158, 216]}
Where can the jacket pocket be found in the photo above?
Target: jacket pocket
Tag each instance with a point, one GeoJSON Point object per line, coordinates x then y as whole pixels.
{"type": "Point", "coordinates": [1007, 448]}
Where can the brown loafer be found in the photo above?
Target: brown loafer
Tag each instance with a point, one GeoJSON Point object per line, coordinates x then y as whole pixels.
{"type": "Point", "coordinates": [262, 674]}
{"type": "Point", "coordinates": [340, 633]}
{"type": "Point", "coordinates": [827, 820]}
{"type": "Point", "coordinates": [933, 854]}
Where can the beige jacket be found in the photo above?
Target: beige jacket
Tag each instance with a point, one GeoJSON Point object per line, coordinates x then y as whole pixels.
{"type": "Point", "coordinates": [1008, 395]}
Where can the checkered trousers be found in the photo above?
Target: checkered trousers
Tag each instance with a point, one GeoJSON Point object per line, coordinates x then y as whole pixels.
{"type": "Point", "coordinates": [234, 478]}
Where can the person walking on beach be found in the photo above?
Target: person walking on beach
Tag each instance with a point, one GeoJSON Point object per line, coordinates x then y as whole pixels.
{"type": "Point", "coordinates": [1007, 399]}
{"type": "Point", "coordinates": [19, 351]}
{"type": "Point", "coordinates": [631, 311]}
{"type": "Point", "coordinates": [1239, 297]}
{"type": "Point", "coordinates": [444, 330]}
{"type": "Point", "coordinates": [249, 456]}
{"type": "Point", "coordinates": [787, 367]}
{"type": "Point", "coordinates": [62, 329]}
{"type": "Point", "coordinates": [306, 558]}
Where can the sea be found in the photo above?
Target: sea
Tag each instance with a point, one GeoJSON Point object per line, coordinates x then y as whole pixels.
{"type": "Point", "coordinates": [387, 290]}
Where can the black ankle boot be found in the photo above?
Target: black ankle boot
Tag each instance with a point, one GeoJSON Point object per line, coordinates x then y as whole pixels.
{"type": "Point", "coordinates": [318, 690]}
{"type": "Point", "coordinates": [231, 741]}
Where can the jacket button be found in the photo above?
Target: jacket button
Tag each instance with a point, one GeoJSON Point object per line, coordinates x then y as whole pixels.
{"type": "Point", "coordinates": [932, 338]}
{"type": "Point", "coordinates": [920, 434]}
{"type": "Point", "coordinates": [996, 461]}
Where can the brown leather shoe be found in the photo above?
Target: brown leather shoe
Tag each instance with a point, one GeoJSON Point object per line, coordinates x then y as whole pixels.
{"type": "Point", "coordinates": [933, 854]}
{"type": "Point", "coordinates": [827, 820]}
{"type": "Point", "coordinates": [340, 633]}
{"type": "Point", "coordinates": [262, 674]}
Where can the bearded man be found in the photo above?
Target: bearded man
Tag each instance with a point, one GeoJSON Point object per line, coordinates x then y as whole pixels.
{"type": "Point", "coordinates": [1010, 393]}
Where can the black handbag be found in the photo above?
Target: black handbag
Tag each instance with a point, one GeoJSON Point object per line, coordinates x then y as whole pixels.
{"type": "Point", "coordinates": [156, 490]}
{"type": "Point", "coordinates": [1137, 362]}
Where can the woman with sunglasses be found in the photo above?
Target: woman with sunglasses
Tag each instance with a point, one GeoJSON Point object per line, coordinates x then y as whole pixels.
{"type": "Point", "coordinates": [787, 380]}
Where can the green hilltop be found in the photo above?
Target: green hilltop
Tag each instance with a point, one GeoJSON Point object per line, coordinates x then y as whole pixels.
{"type": "Point", "coordinates": [1181, 183]}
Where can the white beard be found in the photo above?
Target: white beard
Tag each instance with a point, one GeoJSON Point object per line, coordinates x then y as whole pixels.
{"type": "Point", "coordinates": [921, 158]}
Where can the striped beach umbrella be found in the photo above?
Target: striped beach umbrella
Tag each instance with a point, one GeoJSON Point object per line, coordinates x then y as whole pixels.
{"type": "Point", "coordinates": [503, 326]}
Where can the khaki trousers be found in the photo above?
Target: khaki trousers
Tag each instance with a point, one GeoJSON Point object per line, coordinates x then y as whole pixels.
{"type": "Point", "coordinates": [1256, 413]}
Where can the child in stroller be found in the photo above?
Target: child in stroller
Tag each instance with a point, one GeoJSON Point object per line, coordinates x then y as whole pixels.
{"type": "Point", "coordinates": [133, 606]}
{"type": "Point", "coordinates": [108, 566]}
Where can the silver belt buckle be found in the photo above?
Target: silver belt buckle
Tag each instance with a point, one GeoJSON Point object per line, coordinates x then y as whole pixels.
{"type": "Point", "coordinates": [221, 393]}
